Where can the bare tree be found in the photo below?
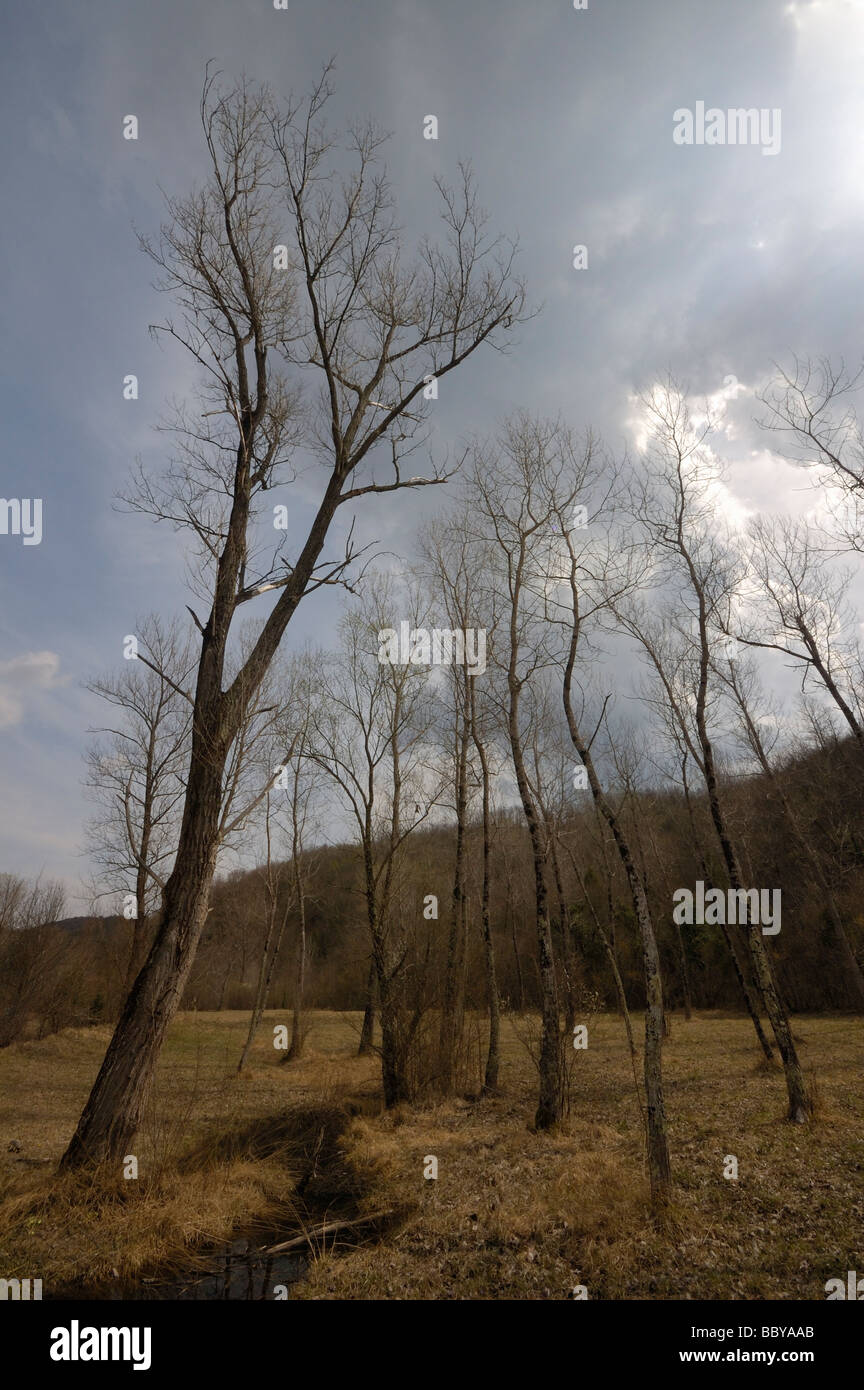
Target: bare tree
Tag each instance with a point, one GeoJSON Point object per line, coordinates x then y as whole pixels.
{"type": "Point", "coordinates": [591, 582]}
{"type": "Point", "coordinates": [454, 561]}
{"type": "Point", "coordinates": [674, 505]}
{"type": "Point", "coordinates": [808, 408]}
{"type": "Point", "coordinates": [300, 798]}
{"type": "Point", "coordinates": [368, 734]}
{"type": "Point", "coordinates": [674, 699]}
{"type": "Point", "coordinates": [29, 950]}
{"type": "Point", "coordinates": [334, 302]}
{"type": "Point", "coordinates": [493, 1051]}
{"type": "Point", "coordinates": [801, 610]}
{"type": "Point", "coordinates": [549, 767]}
{"type": "Point", "coordinates": [276, 916]}
{"type": "Point", "coordinates": [370, 1009]}
{"type": "Point", "coordinates": [510, 492]}
{"type": "Point", "coordinates": [136, 771]}
{"type": "Point", "coordinates": [741, 681]}
{"type": "Point", "coordinates": [453, 583]}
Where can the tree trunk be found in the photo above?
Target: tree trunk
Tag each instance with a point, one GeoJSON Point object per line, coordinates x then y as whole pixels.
{"type": "Point", "coordinates": [393, 1077]}
{"type": "Point", "coordinates": [685, 974]}
{"type": "Point", "coordinates": [490, 1079]}
{"type": "Point", "coordinates": [272, 943]}
{"type": "Point", "coordinates": [269, 958]}
{"type": "Point", "coordinates": [142, 870]}
{"type": "Point", "coordinates": [682, 954]}
{"type": "Point", "coordinates": [297, 1031]}
{"type": "Point", "coordinates": [856, 976]}
{"type": "Point", "coordinates": [800, 1106]}
{"type": "Point", "coordinates": [138, 944]}
{"type": "Point", "coordinates": [799, 1102]}
{"type": "Point", "coordinates": [746, 992]}
{"type": "Point", "coordinates": [566, 939]}
{"type": "Point", "coordinates": [550, 1104]}
{"type": "Point", "coordinates": [620, 992]}
{"type": "Point", "coordinates": [367, 1032]}
{"type": "Point", "coordinates": [520, 983]}
{"type": "Point", "coordinates": [752, 1007]}
{"type": "Point", "coordinates": [656, 1137]}
{"type": "Point", "coordinates": [455, 943]}
{"type": "Point", "coordinates": [112, 1114]}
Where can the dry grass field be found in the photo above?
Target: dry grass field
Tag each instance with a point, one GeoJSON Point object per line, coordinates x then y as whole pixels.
{"type": "Point", "coordinates": [512, 1214]}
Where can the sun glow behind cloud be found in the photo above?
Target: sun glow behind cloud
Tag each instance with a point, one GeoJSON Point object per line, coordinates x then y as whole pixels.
{"type": "Point", "coordinates": [829, 55]}
{"type": "Point", "coordinates": [749, 476]}
{"type": "Point", "coordinates": [710, 458]}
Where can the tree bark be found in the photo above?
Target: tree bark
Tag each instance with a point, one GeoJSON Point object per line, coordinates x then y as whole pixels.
{"type": "Point", "coordinates": [297, 1028]}
{"type": "Point", "coordinates": [550, 1104]}
{"type": "Point", "coordinates": [746, 992]}
{"type": "Point", "coordinates": [566, 939]}
{"type": "Point", "coordinates": [112, 1114]}
{"type": "Point", "coordinates": [799, 1102]}
{"type": "Point", "coordinates": [367, 1031]}
{"type": "Point", "coordinates": [455, 941]}
{"type": "Point", "coordinates": [656, 1135]}
{"type": "Point", "coordinates": [493, 1059]}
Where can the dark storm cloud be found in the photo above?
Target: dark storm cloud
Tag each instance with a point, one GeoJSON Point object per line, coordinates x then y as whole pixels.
{"type": "Point", "coordinates": [708, 261]}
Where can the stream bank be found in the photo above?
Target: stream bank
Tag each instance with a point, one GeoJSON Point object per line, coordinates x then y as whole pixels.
{"type": "Point", "coordinates": [325, 1210]}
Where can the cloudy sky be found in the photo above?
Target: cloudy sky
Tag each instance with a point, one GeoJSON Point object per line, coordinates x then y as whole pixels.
{"type": "Point", "coordinates": [707, 261]}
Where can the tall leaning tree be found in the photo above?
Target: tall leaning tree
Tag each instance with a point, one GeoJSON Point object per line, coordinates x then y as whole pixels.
{"type": "Point", "coordinates": [312, 328]}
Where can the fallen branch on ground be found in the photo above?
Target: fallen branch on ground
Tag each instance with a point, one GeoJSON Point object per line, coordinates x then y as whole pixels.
{"type": "Point", "coordinates": [329, 1228]}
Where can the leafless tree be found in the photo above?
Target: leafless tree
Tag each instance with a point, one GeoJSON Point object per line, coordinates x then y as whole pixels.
{"type": "Point", "coordinates": [674, 697]}
{"type": "Point", "coordinates": [451, 576]}
{"type": "Point", "coordinates": [593, 580]}
{"type": "Point", "coordinates": [30, 950]}
{"type": "Point", "coordinates": [278, 907]}
{"type": "Point", "coordinates": [368, 734]}
{"type": "Point", "coordinates": [741, 680]}
{"type": "Point", "coordinates": [801, 609]}
{"type": "Point", "coordinates": [479, 738]}
{"type": "Point", "coordinates": [136, 772]}
{"type": "Point", "coordinates": [286, 812]}
{"type": "Point", "coordinates": [511, 491]}
{"type": "Point", "coordinates": [300, 793]}
{"type": "Point", "coordinates": [808, 407]}
{"type": "Point", "coordinates": [675, 507]}
{"type": "Point", "coordinates": [340, 306]}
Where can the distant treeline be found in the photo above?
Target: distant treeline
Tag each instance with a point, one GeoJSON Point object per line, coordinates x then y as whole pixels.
{"type": "Point", "coordinates": [53, 975]}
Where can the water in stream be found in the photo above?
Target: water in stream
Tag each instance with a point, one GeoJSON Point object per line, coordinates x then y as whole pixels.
{"type": "Point", "coordinates": [241, 1270]}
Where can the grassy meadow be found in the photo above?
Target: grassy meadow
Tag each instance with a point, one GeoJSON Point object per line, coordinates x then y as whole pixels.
{"type": "Point", "coordinates": [513, 1214]}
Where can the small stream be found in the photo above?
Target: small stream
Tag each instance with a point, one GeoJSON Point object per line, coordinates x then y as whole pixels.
{"type": "Point", "coordinates": [239, 1270]}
